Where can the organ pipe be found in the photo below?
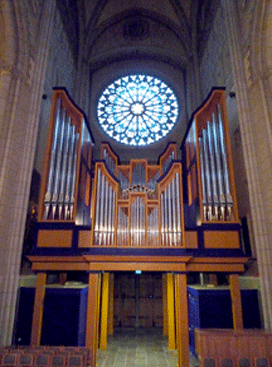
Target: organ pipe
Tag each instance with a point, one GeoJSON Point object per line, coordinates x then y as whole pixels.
{"type": "Point", "coordinates": [211, 168]}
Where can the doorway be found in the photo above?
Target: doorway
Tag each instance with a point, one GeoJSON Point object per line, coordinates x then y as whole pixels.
{"type": "Point", "coordinates": [138, 299]}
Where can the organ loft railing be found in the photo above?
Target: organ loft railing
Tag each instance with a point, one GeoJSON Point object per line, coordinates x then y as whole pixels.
{"type": "Point", "coordinates": [207, 165]}
{"type": "Point", "coordinates": [66, 185]}
{"type": "Point", "coordinates": [138, 207]}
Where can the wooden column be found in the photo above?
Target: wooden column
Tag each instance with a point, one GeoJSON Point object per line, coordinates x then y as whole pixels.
{"type": "Point", "coordinates": [111, 304]}
{"type": "Point", "coordinates": [236, 301]}
{"type": "Point", "coordinates": [183, 327]}
{"type": "Point", "coordinates": [36, 330]}
{"type": "Point", "coordinates": [171, 311]}
{"type": "Point", "coordinates": [104, 311]}
{"type": "Point", "coordinates": [63, 278]}
{"type": "Point", "coordinates": [177, 312]}
{"type": "Point", "coordinates": [164, 305]}
{"type": "Point", "coordinates": [93, 317]}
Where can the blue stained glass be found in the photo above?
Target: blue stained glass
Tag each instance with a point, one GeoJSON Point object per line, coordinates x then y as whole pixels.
{"type": "Point", "coordinates": [137, 110]}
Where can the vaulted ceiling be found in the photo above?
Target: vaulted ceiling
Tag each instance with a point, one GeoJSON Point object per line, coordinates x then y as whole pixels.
{"type": "Point", "coordinates": [187, 23]}
{"type": "Point", "coordinates": [158, 33]}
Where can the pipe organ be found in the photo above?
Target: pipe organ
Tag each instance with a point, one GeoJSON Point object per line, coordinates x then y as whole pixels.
{"type": "Point", "coordinates": [176, 216]}
{"type": "Point", "coordinates": [208, 173]}
{"type": "Point", "coordinates": [139, 205]}
{"type": "Point", "coordinates": [128, 204]}
{"type": "Point", "coordinates": [67, 181]}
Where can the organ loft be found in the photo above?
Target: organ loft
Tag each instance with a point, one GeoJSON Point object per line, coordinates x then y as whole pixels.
{"type": "Point", "coordinates": [176, 218]}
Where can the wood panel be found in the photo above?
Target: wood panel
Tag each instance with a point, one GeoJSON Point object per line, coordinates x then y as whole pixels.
{"type": "Point", "coordinates": [234, 344]}
{"type": "Point", "coordinates": [221, 239]}
{"type": "Point", "coordinates": [84, 239]}
{"type": "Point", "coordinates": [55, 238]}
{"type": "Point", "coordinates": [36, 329]}
{"type": "Point", "coordinates": [191, 240]}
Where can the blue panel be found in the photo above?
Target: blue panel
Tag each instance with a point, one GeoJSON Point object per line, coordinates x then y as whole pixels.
{"type": "Point", "coordinates": [64, 320]}
{"type": "Point", "coordinates": [24, 316]}
{"type": "Point", "coordinates": [211, 308]}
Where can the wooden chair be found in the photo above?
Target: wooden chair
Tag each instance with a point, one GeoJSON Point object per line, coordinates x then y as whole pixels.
{"type": "Point", "coordinates": [243, 362]}
{"type": "Point", "coordinates": [227, 362]}
{"type": "Point", "coordinates": [209, 362]}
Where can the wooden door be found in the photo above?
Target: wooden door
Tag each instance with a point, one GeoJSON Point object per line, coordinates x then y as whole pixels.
{"type": "Point", "coordinates": [138, 300]}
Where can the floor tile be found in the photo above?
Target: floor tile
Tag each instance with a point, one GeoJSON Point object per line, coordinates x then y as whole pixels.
{"type": "Point", "coordinates": [138, 347]}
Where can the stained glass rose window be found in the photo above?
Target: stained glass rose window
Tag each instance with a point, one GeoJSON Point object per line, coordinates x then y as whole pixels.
{"type": "Point", "coordinates": [137, 110]}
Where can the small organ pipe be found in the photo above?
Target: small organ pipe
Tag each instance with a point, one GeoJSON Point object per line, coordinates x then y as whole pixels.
{"type": "Point", "coordinates": [67, 194]}
{"type": "Point", "coordinates": [101, 219]}
{"type": "Point", "coordinates": [162, 218]}
{"type": "Point", "coordinates": [64, 165]}
{"type": "Point", "coordinates": [106, 215]}
{"type": "Point", "coordinates": [222, 198]}
{"type": "Point", "coordinates": [111, 208]}
{"type": "Point", "coordinates": [58, 163]}
{"type": "Point", "coordinates": [113, 216]}
{"type": "Point", "coordinates": [213, 171]}
{"type": "Point", "coordinates": [174, 203]}
{"type": "Point", "coordinates": [225, 164]}
{"type": "Point", "coordinates": [208, 174]}
{"type": "Point", "coordinates": [178, 204]}
{"type": "Point", "coordinates": [98, 203]}
{"type": "Point", "coordinates": [203, 178]}
{"type": "Point", "coordinates": [52, 166]}
{"type": "Point", "coordinates": [72, 197]}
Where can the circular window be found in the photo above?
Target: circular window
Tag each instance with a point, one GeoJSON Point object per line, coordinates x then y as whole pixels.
{"type": "Point", "coordinates": [137, 110]}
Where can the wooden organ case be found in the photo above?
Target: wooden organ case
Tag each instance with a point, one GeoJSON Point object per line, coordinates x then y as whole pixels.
{"type": "Point", "coordinates": [173, 217]}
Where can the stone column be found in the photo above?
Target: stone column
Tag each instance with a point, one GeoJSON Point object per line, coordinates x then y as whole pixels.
{"type": "Point", "coordinates": [247, 120]}
{"type": "Point", "coordinates": [21, 89]}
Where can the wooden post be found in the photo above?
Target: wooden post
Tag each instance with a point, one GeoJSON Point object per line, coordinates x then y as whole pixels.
{"type": "Point", "coordinates": [171, 311]}
{"type": "Point", "coordinates": [36, 329]}
{"type": "Point", "coordinates": [236, 301]}
{"type": "Point", "coordinates": [177, 312]}
{"type": "Point", "coordinates": [111, 304]}
{"type": "Point", "coordinates": [104, 311]}
{"type": "Point", "coordinates": [164, 305]}
{"type": "Point", "coordinates": [92, 317]}
{"type": "Point", "coordinates": [182, 306]}
{"type": "Point", "coordinates": [63, 278]}
{"type": "Point", "coordinates": [98, 308]}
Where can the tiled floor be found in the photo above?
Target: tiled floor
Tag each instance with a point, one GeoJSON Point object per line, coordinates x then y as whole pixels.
{"type": "Point", "coordinates": [140, 347]}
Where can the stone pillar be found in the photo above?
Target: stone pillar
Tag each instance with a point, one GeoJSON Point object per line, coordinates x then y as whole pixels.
{"type": "Point", "coordinates": [247, 117]}
{"type": "Point", "coordinates": [21, 86]}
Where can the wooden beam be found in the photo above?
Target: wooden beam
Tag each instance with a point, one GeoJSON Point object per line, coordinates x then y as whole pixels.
{"type": "Point", "coordinates": [216, 268]}
{"type": "Point", "coordinates": [104, 311]}
{"type": "Point", "coordinates": [183, 327]}
{"type": "Point", "coordinates": [131, 258]}
{"type": "Point", "coordinates": [236, 301]}
{"type": "Point", "coordinates": [36, 329]}
{"type": "Point", "coordinates": [171, 311]}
